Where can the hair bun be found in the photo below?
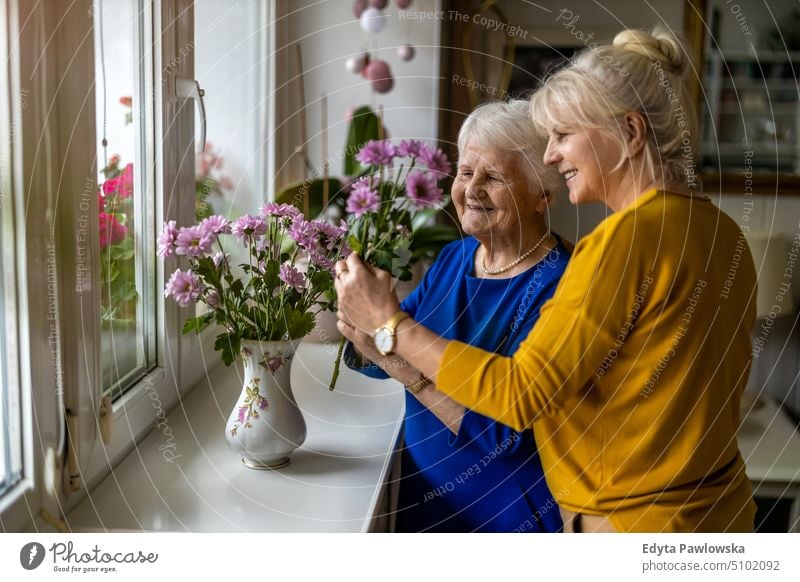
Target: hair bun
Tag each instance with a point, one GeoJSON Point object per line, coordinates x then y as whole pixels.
{"type": "Point", "coordinates": [659, 45]}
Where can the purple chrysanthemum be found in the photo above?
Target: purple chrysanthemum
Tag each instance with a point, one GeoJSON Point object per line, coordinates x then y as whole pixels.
{"type": "Point", "coordinates": [303, 233]}
{"type": "Point", "coordinates": [377, 153]}
{"type": "Point", "coordinates": [422, 191]}
{"type": "Point", "coordinates": [436, 160]}
{"type": "Point", "coordinates": [363, 198]}
{"type": "Point", "coordinates": [216, 225]}
{"type": "Point", "coordinates": [281, 210]}
{"type": "Point", "coordinates": [248, 227]}
{"type": "Point", "coordinates": [328, 235]}
{"type": "Point", "coordinates": [194, 241]}
{"type": "Point", "coordinates": [184, 286]}
{"type": "Point", "coordinates": [166, 240]}
{"type": "Point", "coordinates": [292, 277]}
{"type": "Point", "coordinates": [220, 258]}
{"type": "Point", "coordinates": [410, 148]}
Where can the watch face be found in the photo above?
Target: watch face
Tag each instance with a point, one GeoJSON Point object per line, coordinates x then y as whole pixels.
{"type": "Point", "coordinates": [384, 341]}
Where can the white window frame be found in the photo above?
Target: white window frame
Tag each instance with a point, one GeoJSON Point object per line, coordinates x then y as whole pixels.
{"type": "Point", "coordinates": [17, 360]}
{"type": "Point", "coordinates": [64, 110]}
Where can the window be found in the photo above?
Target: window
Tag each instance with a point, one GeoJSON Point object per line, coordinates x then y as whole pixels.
{"type": "Point", "coordinates": [123, 106]}
{"type": "Point", "coordinates": [13, 410]}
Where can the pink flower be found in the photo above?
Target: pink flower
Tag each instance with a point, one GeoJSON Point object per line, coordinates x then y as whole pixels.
{"type": "Point", "coordinates": [127, 101]}
{"type": "Point", "coordinates": [292, 277]}
{"type": "Point", "coordinates": [194, 242]}
{"type": "Point", "coordinates": [262, 402]}
{"type": "Point", "coordinates": [303, 233]}
{"type": "Point", "coordinates": [220, 258]}
{"type": "Point", "coordinates": [111, 231]}
{"type": "Point", "coordinates": [243, 410]}
{"type": "Point", "coordinates": [184, 287]}
{"type": "Point", "coordinates": [126, 181]}
{"type": "Point", "coordinates": [274, 364]}
{"type": "Point", "coordinates": [410, 148]}
{"type": "Point", "coordinates": [281, 210]}
{"type": "Point", "coordinates": [248, 227]}
{"type": "Point", "coordinates": [216, 225]}
{"type": "Point", "coordinates": [101, 202]}
{"type": "Point", "coordinates": [122, 185]}
{"type": "Point", "coordinates": [166, 240]}
{"type": "Point", "coordinates": [212, 299]}
{"type": "Point", "coordinates": [422, 191]}
{"type": "Point", "coordinates": [114, 160]}
{"type": "Point", "coordinates": [377, 153]}
{"type": "Point", "coordinates": [363, 198]}
{"type": "Point", "coordinates": [436, 160]}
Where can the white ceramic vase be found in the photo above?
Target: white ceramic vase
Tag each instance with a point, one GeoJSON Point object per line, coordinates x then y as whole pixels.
{"type": "Point", "coordinates": [266, 425]}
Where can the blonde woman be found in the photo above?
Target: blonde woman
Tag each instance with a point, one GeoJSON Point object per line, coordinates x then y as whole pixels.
{"type": "Point", "coordinates": [632, 376]}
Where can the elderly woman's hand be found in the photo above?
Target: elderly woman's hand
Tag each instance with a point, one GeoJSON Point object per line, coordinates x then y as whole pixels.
{"type": "Point", "coordinates": [365, 297]}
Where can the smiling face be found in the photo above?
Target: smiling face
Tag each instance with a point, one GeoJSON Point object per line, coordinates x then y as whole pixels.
{"type": "Point", "coordinates": [587, 159]}
{"type": "Point", "coordinates": [492, 196]}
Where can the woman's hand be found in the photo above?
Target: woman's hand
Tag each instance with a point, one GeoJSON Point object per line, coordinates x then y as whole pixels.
{"type": "Point", "coordinates": [366, 299]}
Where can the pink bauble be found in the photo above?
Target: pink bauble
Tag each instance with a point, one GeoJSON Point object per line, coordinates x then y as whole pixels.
{"type": "Point", "coordinates": [379, 4]}
{"type": "Point", "coordinates": [373, 20]}
{"type": "Point", "coordinates": [359, 7]}
{"type": "Point", "coordinates": [357, 62]}
{"type": "Point", "coordinates": [406, 52]}
{"type": "Point", "coordinates": [403, 4]}
{"type": "Point", "coordinates": [380, 75]}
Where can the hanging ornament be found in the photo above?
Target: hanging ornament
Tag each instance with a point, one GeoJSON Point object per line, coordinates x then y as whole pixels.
{"type": "Point", "coordinates": [357, 62]}
{"type": "Point", "coordinates": [373, 20]}
{"type": "Point", "coordinates": [359, 7]}
{"type": "Point", "coordinates": [380, 76]}
{"type": "Point", "coordinates": [403, 4]}
{"type": "Point", "coordinates": [406, 52]}
{"type": "Point", "coordinates": [379, 4]}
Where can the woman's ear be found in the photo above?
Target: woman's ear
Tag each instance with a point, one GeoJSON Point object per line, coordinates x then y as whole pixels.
{"type": "Point", "coordinates": [543, 202]}
{"type": "Point", "coordinates": [634, 132]}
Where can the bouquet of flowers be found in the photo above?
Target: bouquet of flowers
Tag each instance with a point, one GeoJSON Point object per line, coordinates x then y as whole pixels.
{"type": "Point", "coordinates": [275, 295]}
{"type": "Point", "coordinates": [401, 184]}
{"type": "Point", "coordinates": [117, 264]}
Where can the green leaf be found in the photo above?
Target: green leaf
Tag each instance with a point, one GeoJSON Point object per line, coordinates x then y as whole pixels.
{"type": "Point", "coordinates": [363, 127]}
{"type": "Point", "coordinates": [198, 324]}
{"type": "Point", "coordinates": [230, 344]}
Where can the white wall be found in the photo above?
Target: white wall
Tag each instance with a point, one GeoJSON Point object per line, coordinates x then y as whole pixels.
{"type": "Point", "coordinates": [328, 34]}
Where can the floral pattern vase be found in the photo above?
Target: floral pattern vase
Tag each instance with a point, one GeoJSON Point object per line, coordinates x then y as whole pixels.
{"type": "Point", "coordinates": [266, 425]}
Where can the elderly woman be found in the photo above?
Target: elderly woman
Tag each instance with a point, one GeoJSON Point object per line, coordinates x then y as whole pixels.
{"type": "Point", "coordinates": [463, 471]}
{"type": "Point", "coordinates": [632, 375]}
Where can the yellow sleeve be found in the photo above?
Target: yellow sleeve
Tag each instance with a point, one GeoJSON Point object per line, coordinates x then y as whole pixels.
{"type": "Point", "coordinates": [575, 332]}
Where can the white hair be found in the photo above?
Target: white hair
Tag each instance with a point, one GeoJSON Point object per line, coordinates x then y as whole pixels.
{"type": "Point", "coordinates": [507, 126]}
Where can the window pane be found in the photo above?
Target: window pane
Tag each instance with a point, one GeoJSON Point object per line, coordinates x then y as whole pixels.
{"type": "Point", "coordinates": [121, 73]}
{"type": "Point", "coordinates": [10, 413]}
{"type": "Point", "coordinates": [230, 65]}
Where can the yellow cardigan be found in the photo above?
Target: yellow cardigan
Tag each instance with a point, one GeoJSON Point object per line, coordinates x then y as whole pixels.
{"type": "Point", "coordinates": [634, 371]}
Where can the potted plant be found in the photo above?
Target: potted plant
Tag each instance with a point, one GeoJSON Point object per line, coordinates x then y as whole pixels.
{"type": "Point", "coordinates": [264, 308]}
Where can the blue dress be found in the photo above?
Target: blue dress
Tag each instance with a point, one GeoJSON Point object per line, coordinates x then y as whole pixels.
{"type": "Point", "coordinates": [486, 478]}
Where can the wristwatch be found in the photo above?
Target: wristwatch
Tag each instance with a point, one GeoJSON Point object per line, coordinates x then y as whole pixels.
{"type": "Point", "coordinates": [385, 336]}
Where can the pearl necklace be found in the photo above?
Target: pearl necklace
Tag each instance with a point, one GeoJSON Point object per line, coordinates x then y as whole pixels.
{"type": "Point", "coordinates": [514, 263]}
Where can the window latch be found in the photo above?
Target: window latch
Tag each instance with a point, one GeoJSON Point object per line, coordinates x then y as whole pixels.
{"type": "Point", "coordinates": [190, 89]}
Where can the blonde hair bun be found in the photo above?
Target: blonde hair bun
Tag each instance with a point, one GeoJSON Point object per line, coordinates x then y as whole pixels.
{"type": "Point", "coordinates": [659, 46]}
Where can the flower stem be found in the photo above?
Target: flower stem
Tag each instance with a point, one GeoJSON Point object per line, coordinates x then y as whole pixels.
{"type": "Point", "coordinates": [338, 361]}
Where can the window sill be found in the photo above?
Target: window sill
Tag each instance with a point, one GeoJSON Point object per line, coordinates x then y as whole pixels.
{"type": "Point", "coordinates": [336, 480]}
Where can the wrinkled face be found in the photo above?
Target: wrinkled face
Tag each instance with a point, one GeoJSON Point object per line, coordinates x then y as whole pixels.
{"type": "Point", "coordinates": [586, 158]}
{"type": "Point", "coordinates": [492, 195]}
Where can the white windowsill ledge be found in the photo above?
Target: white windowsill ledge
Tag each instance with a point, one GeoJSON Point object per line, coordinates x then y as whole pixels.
{"type": "Point", "coordinates": [336, 481]}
